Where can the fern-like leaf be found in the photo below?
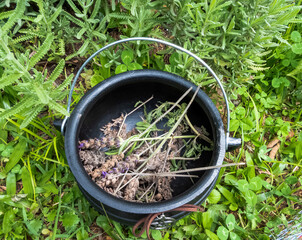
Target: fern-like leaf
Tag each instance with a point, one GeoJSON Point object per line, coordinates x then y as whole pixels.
{"type": "Point", "coordinates": [36, 34]}
{"type": "Point", "coordinates": [26, 102]}
{"type": "Point", "coordinates": [281, 39]}
{"type": "Point", "coordinates": [57, 107]}
{"type": "Point", "coordinates": [54, 15]}
{"type": "Point", "coordinates": [43, 49]}
{"type": "Point", "coordinates": [32, 113]}
{"type": "Point", "coordinates": [41, 93]}
{"type": "Point", "coordinates": [18, 12]}
{"type": "Point", "coordinates": [8, 80]}
{"type": "Point", "coordinates": [61, 47]}
{"type": "Point", "coordinates": [7, 14]}
{"type": "Point", "coordinates": [96, 9]}
{"type": "Point", "coordinates": [56, 72]}
{"type": "Point", "coordinates": [58, 93]}
{"type": "Point", "coordinates": [74, 20]}
{"type": "Point", "coordinates": [122, 16]}
{"type": "Point", "coordinates": [23, 38]}
{"type": "Point", "coordinates": [29, 18]}
{"type": "Point", "coordinates": [40, 5]}
{"type": "Point", "coordinates": [257, 69]}
{"type": "Point", "coordinates": [74, 7]}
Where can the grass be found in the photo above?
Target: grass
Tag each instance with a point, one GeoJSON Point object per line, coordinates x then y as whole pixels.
{"type": "Point", "coordinates": [254, 47]}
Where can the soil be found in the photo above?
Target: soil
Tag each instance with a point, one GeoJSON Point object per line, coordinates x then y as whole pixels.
{"type": "Point", "coordinates": [116, 174]}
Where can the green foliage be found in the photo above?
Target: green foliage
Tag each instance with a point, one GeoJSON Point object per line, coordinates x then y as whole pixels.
{"type": "Point", "coordinates": [34, 88]}
{"type": "Point", "coordinates": [236, 36]}
{"type": "Point", "coordinates": [92, 24]}
{"type": "Point", "coordinates": [254, 47]}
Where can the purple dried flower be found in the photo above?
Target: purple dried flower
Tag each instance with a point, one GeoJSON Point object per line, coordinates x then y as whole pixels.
{"type": "Point", "coordinates": [114, 170]}
{"type": "Point", "coordinates": [127, 159]}
{"type": "Point", "coordinates": [104, 174]}
{"type": "Point", "coordinates": [110, 172]}
{"type": "Point", "coordinates": [81, 145]}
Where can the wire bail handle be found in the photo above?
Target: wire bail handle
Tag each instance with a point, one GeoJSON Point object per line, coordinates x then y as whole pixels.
{"type": "Point", "coordinates": [203, 63]}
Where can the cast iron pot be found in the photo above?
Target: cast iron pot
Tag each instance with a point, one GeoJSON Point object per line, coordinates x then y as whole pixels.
{"type": "Point", "coordinates": [117, 95]}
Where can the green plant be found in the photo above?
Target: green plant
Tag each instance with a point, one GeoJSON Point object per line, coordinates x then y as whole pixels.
{"type": "Point", "coordinates": [234, 35]}
{"type": "Point", "coordinates": [92, 25]}
{"type": "Point", "coordinates": [254, 47]}
{"type": "Point", "coordinates": [33, 87]}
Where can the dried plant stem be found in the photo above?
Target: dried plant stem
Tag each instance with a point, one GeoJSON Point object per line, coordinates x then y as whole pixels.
{"type": "Point", "coordinates": [121, 187]}
{"type": "Point", "coordinates": [183, 158]}
{"type": "Point", "coordinates": [200, 169]}
{"type": "Point", "coordinates": [162, 174]}
{"type": "Point", "coordinates": [171, 131]}
{"type": "Point", "coordinates": [160, 118]}
{"type": "Point", "coordinates": [149, 148]}
{"type": "Point", "coordinates": [199, 134]}
{"type": "Point", "coordinates": [176, 173]}
{"type": "Point", "coordinates": [167, 154]}
{"type": "Point", "coordinates": [161, 138]}
{"type": "Point", "coordinates": [142, 104]}
{"type": "Point", "coordinates": [148, 189]}
{"type": "Point", "coordinates": [118, 187]}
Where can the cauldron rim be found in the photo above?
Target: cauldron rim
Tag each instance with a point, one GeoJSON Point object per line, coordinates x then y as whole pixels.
{"type": "Point", "coordinates": [76, 117]}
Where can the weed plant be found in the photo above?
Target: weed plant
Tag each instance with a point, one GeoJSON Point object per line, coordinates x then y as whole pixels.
{"type": "Point", "coordinates": [255, 48]}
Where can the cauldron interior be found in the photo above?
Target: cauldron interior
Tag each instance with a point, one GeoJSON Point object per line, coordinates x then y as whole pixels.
{"type": "Point", "coordinates": [123, 97]}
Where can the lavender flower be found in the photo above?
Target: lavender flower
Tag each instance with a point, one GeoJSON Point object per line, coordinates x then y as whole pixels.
{"type": "Point", "coordinates": [104, 174]}
{"type": "Point", "coordinates": [81, 145]}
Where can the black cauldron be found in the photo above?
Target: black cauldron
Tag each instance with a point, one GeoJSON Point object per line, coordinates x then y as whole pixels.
{"type": "Point", "coordinates": [117, 95]}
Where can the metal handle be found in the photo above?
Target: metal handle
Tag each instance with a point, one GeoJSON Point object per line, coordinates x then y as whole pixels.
{"type": "Point", "coordinates": [151, 40]}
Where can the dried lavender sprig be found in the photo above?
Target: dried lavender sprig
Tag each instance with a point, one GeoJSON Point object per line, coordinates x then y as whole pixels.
{"type": "Point", "coordinates": [171, 131]}
{"type": "Point", "coordinates": [159, 119]}
{"type": "Point", "coordinates": [166, 174]}
{"type": "Point", "coordinates": [175, 173]}
{"type": "Point", "coordinates": [161, 138]}
{"type": "Point", "coordinates": [163, 174]}
{"type": "Point", "coordinates": [183, 158]}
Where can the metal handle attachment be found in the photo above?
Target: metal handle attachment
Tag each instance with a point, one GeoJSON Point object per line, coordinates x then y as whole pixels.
{"type": "Point", "coordinates": [151, 40]}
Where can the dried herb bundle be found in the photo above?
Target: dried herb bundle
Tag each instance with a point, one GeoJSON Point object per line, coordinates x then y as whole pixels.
{"type": "Point", "coordinates": [138, 165]}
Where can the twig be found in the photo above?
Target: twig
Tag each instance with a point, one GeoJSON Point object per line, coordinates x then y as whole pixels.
{"type": "Point", "coordinates": [201, 168]}
{"type": "Point", "coordinates": [172, 129]}
{"type": "Point", "coordinates": [175, 173]}
{"type": "Point", "coordinates": [148, 189]}
{"type": "Point", "coordinates": [161, 138]}
{"type": "Point", "coordinates": [199, 134]}
{"type": "Point", "coordinates": [118, 187]}
{"type": "Point", "coordinates": [127, 114]}
{"type": "Point", "coordinates": [121, 187]}
{"type": "Point", "coordinates": [167, 154]}
{"type": "Point", "coordinates": [183, 158]}
{"type": "Point", "coordinates": [163, 174]}
{"type": "Point", "coordinates": [160, 118]}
